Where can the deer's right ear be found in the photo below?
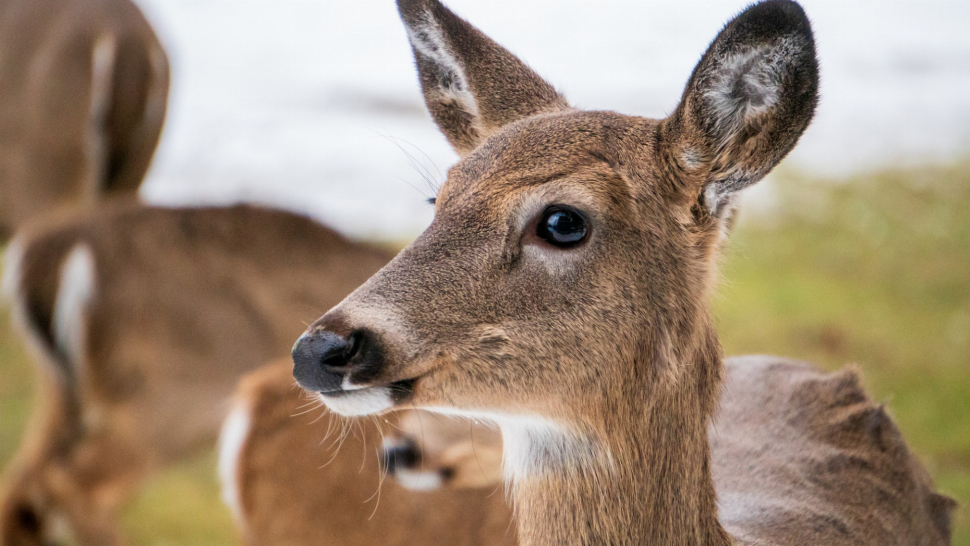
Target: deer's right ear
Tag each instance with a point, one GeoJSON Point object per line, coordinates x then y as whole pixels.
{"type": "Point", "coordinates": [750, 98]}
{"type": "Point", "coordinates": [472, 85]}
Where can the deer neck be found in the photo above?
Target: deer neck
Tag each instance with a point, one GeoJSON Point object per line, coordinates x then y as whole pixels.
{"type": "Point", "coordinates": [643, 478]}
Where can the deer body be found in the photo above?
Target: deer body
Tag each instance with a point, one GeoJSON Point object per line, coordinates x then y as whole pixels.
{"type": "Point", "coordinates": [782, 424]}
{"type": "Point", "coordinates": [84, 86]}
{"type": "Point", "coordinates": [142, 320]}
{"type": "Point", "coordinates": [295, 477]}
{"type": "Point", "coordinates": [561, 291]}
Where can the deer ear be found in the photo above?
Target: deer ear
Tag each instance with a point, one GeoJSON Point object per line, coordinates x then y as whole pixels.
{"type": "Point", "coordinates": [472, 85]}
{"type": "Point", "coordinates": [750, 98]}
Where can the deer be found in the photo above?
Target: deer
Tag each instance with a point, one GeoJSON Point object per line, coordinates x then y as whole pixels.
{"type": "Point", "coordinates": [85, 89]}
{"type": "Point", "coordinates": [561, 291]}
{"type": "Point", "coordinates": [141, 321]}
{"type": "Point", "coordinates": [295, 476]}
{"type": "Point", "coordinates": [428, 451]}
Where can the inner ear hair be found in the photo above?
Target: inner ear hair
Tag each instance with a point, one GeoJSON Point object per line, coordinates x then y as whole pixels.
{"type": "Point", "coordinates": [748, 101]}
{"type": "Point", "coordinates": [472, 86]}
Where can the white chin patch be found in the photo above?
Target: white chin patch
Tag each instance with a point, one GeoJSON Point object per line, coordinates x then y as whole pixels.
{"type": "Point", "coordinates": [418, 480]}
{"type": "Point", "coordinates": [360, 402]}
{"type": "Point", "coordinates": [348, 386]}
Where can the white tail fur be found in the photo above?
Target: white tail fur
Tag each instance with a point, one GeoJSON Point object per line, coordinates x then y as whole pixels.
{"type": "Point", "coordinates": [74, 294]}
{"type": "Point", "coordinates": [232, 440]}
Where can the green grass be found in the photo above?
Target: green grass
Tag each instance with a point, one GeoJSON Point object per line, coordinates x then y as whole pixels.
{"type": "Point", "coordinates": [873, 270]}
{"type": "Point", "coordinates": [16, 388]}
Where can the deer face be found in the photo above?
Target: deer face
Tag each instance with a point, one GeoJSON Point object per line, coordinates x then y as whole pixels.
{"type": "Point", "coordinates": [66, 492]}
{"type": "Point", "coordinates": [571, 251]}
{"type": "Point", "coordinates": [428, 451]}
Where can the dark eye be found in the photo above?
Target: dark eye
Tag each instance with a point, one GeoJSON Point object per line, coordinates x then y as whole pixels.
{"type": "Point", "coordinates": [562, 226]}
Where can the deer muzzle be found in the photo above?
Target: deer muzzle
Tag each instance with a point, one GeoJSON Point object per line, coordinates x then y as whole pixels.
{"type": "Point", "coordinates": [345, 369]}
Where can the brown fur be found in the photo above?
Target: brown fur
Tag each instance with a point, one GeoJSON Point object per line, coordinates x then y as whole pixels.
{"type": "Point", "coordinates": [73, 130]}
{"type": "Point", "coordinates": [768, 404]}
{"type": "Point", "coordinates": [301, 483]}
{"type": "Point", "coordinates": [185, 302]}
{"type": "Point", "coordinates": [782, 425]}
{"type": "Point", "coordinates": [600, 362]}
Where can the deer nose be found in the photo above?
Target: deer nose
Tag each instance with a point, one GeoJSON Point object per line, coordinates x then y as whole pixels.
{"type": "Point", "coordinates": [322, 358]}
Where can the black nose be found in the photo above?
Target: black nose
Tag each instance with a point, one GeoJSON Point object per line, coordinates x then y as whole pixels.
{"type": "Point", "coordinates": [321, 358]}
{"type": "Point", "coordinates": [403, 454]}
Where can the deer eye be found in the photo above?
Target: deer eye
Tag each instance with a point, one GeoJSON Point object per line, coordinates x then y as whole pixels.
{"type": "Point", "coordinates": [562, 226]}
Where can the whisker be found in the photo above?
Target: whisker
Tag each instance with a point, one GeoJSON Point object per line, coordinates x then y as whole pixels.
{"type": "Point", "coordinates": [471, 432]}
{"type": "Point", "coordinates": [426, 156]}
{"type": "Point", "coordinates": [420, 167]}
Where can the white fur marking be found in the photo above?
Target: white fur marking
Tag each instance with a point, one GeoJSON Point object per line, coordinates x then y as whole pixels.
{"type": "Point", "coordinates": [74, 294]}
{"type": "Point", "coordinates": [155, 107]}
{"type": "Point", "coordinates": [12, 263]}
{"type": "Point", "coordinates": [746, 86]}
{"type": "Point", "coordinates": [348, 386]}
{"type": "Point", "coordinates": [232, 440]}
{"type": "Point", "coordinates": [533, 445]}
{"type": "Point", "coordinates": [418, 480]}
{"type": "Point", "coordinates": [429, 41]}
{"type": "Point", "coordinates": [712, 196]}
{"type": "Point", "coordinates": [59, 529]}
{"type": "Point", "coordinates": [366, 401]}
{"type": "Point", "coordinates": [102, 73]}
{"type": "Point", "coordinates": [691, 158]}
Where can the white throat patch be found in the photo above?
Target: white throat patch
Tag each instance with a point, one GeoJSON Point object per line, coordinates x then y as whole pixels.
{"type": "Point", "coordinates": [533, 445]}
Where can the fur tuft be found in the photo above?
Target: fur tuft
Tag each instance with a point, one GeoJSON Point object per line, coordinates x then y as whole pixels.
{"type": "Point", "coordinates": [232, 440]}
{"type": "Point", "coordinates": [12, 271]}
{"type": "Point", "coordinates": [74, 294]}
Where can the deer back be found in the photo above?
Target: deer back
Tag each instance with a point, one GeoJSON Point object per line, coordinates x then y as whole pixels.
{"type": "Point", "coordinates": [84, 86]}
{"type": "Point", "coordinates": [806, 457]}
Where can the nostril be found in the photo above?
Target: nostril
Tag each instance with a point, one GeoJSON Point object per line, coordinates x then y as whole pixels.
{"type": "Point", "coordinates": [322, 359]}
{"type": "Point", "coordinates": [318, 356]}
{"type": "Point", "coordinates": [354, 343]}
{"type": "Point", "coordinates": [322, 347]}
{"type": "Point", "coordinates": [339, 352]}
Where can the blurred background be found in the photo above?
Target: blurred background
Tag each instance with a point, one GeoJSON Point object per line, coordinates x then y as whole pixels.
{"type": "Point", "coordinates": [855, 250]}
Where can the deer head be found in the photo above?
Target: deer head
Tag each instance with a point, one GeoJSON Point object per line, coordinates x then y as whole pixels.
{"type": "Point", "coordinates": [561, 288]}
{"type": "Point", "coordinates": [66, 497]}
{"type": "Point", "coordinates": [428, 451]}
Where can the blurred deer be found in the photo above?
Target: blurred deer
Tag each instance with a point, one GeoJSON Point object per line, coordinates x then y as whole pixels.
{"type": "Point", "coordinates": [84, 85]}
{"type": "Point", "coordinates": [427, 451]}
{"type": "Point", "coordinates": [562, 292]}
{"type": "Point", "coordinates": [142, 320]}
{"type": "Point", "coordinates": [295, 474]}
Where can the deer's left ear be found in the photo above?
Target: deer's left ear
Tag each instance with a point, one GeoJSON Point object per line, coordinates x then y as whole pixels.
{"type": "Point", "coordinates": [750, 98]}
